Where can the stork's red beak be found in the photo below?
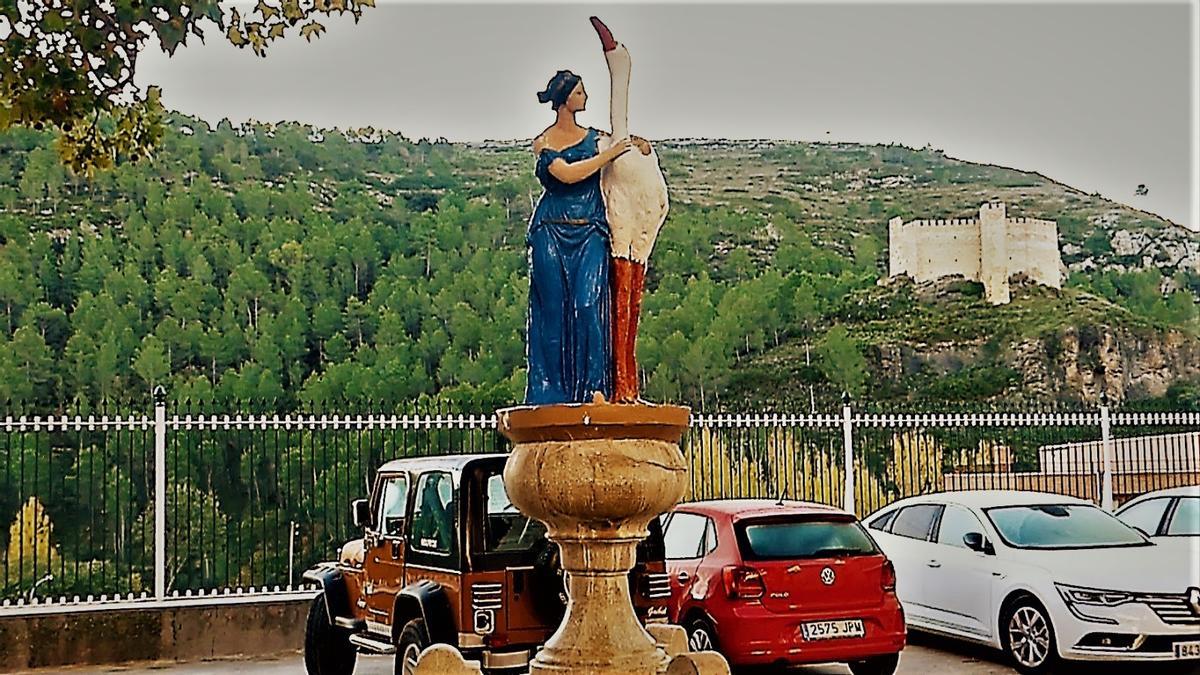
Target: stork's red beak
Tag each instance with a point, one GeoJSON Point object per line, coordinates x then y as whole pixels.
{"type": "Point", "coordinates": [606, 36]}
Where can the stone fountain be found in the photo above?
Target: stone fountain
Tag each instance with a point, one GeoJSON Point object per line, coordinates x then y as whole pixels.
{"type": "Point", "coordinates": [595, 472]}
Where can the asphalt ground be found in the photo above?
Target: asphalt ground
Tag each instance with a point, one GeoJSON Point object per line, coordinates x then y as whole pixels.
{"type": "Point", "coordinates": [925, 655]}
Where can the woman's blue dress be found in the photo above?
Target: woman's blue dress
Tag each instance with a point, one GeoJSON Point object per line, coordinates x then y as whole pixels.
{"type": "Point", "coordinates": [570, 304]}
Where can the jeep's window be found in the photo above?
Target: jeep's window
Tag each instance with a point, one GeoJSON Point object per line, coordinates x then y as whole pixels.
{"type": "Point", "coordinates": [506, 528]}
{"type": "Point", "coordinates": [392, 506]}
{"type": "Point", "coordinates": [433, 514]}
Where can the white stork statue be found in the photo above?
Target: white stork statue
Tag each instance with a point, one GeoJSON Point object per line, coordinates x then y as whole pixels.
{"type": "Point", "coordinates": [635, 201]}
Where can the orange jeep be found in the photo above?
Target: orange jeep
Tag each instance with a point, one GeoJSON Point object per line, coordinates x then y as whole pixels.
{"type": "Point", "coordinates": [446, 558]}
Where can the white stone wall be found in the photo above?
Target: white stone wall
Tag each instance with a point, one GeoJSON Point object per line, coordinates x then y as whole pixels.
{"type": "Point", "coordinates": [993, 253]}
{"type": "Point", "coordinates": [1033, 249]}
{"type": "Point", "coordinates": [931, 249]}
{"type": "Point", "coordinates": [989, 249]}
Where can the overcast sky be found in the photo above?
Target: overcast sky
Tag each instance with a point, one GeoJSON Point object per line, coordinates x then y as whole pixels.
{"type": "Point", "coordinates": [1098, 96]}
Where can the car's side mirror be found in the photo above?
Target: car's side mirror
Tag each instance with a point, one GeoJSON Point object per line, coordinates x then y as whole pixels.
{"type": "Point", "coordinates": [360, 512]}
{"type": "Point", "coordinates": [976, 542]}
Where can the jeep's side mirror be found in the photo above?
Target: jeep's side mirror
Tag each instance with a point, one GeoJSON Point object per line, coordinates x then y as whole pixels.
{"type": "Point", "coordinates": [976, 542]}
{"type": "Point", "coordinates": [360, 512]}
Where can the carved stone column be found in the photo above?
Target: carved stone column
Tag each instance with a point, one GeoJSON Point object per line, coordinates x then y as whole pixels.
{"type": "Point", "coordinates": [596, 474]}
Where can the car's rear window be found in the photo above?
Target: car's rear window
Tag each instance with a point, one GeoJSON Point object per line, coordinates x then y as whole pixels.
{"type": "Point", "coordinates": [778, 539]}
{"type": "Point", "coordinates": [505, 528]}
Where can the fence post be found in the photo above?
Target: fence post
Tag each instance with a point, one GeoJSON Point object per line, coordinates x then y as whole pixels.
{"type": "Point", "coordinates": [291, 552]}
{"type": "Point", "coordinates": [160, 493]}
{"type": "Point", "coordinates": [848, 455]}
{"type": "Point", "coordinates": [1106, 485]}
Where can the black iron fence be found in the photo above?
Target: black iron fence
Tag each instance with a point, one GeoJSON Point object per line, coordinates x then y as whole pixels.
{"type": "Point", "coordinates": [250, 499]}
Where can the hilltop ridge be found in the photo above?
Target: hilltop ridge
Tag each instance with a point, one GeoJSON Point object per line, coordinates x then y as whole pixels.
{"type": "Point", "coordinates": [295, 264]}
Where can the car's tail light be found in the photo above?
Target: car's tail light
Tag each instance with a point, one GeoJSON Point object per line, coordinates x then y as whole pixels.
{"type": "Point", "coordinates": [744, 583]}
{"type": "Point", "coordinates": [486, 600]}
{"type": "Point", "coordinates": [887, 577]}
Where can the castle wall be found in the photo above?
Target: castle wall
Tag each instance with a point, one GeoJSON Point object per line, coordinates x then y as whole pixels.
{"type": "Point", "coordinates": [930, 249]}
{"type": "Point", "coordinates": [989, 249]}
{"type": "Point", "coordinates": [1033, 249]}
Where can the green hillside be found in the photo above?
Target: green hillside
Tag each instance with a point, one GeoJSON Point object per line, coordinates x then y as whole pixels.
{"type": "Point", "coordinates": [290, 264]}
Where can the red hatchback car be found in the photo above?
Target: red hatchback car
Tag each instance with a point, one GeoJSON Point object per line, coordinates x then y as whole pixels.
{"type": "Point", "coordinates": [782, 583]}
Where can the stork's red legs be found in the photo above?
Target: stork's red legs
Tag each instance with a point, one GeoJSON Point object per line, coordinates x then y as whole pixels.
{"type": "Point", "coordinates": [628, 281]}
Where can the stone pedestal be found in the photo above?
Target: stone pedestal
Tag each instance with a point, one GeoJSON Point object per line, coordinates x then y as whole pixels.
{"type": "Point", "coordinates": [596, 474]}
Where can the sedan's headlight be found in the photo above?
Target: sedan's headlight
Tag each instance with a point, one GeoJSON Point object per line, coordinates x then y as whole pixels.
{"type": "Point", "coordinates": [1092, 596]}
{"type": "Point", "coordinates": [1077, 597]}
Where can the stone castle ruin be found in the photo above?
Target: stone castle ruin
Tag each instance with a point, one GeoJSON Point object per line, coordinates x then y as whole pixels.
{"type": "Point", "coordinates": [989, 249]}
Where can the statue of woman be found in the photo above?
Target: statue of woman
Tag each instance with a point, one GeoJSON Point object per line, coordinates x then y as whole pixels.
{"type": "Point", "coordinates": [570, 300]}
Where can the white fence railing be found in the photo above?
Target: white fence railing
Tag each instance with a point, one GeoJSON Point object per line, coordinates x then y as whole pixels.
{"type": "Point", "coordinates": [198, 503]}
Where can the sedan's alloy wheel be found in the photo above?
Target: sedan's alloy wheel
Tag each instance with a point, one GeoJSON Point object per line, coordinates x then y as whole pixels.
{"type": "Point", "coordinates": [1029, 637]}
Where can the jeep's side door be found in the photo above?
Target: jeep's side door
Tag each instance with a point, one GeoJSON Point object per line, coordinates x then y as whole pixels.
{"type": "Point", "coordinates": [384, 556]}
{"type": "Point", "coordinates": [434, 535]}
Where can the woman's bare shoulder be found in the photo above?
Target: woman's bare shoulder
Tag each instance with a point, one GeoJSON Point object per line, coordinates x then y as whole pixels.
{"type": "Point", "coordinates": [540, 142]}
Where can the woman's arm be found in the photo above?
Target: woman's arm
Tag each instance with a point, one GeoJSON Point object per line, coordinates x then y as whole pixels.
{"type": "Point", "coordinates": [641, 143]}
{"type": "Point", "coordinates": [573, 172]}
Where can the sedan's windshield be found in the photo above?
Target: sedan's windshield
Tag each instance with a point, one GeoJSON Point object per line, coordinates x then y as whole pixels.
{"type": "Point", "coordinates": [1062, 526]}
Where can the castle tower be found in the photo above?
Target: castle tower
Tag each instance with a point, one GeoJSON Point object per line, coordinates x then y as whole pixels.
{"type": "Point", "coordinates": [897, 251]}
{"type": "Point", "coordinates": [993, 252]}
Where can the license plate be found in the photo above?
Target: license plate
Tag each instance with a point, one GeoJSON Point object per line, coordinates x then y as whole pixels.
{"type": "Point", "coordinates": [1187, 650]}
{"type": "Point", "coordinates": [829, 630]}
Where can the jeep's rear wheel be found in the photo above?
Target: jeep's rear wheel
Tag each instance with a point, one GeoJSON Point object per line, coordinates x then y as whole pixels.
{"type": "Point", "coordinates": [414, 638]}
{"type": "Point", "coordinates": [327, 648]}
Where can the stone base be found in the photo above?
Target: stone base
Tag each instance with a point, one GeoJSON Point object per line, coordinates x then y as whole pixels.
{"type": "Point", "coordinates": [445, 660]}
{"type": "Point", "coordinates": [596, 474]}
{"type": "Point", "coordinates": [699, 663]}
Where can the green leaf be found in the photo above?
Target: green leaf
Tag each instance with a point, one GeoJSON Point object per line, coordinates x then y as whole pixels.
{"type": "Point", "coordinates": [311, 30]}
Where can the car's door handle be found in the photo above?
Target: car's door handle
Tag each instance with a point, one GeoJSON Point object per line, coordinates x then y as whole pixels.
{"type": "Point", "coordinates": [683, 577]}
{"type": "Point", "coordinates": [934, 563]}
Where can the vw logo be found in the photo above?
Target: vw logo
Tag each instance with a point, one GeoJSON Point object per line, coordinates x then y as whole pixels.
{"type": "Point", "coordinates": [828, 576]}
{"type": "Point", "coordinates": [1193, 600]}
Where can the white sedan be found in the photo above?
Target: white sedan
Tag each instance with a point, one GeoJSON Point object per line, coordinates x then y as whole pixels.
{"type": "Point", "coordinates": [1041, 576]}
{"type": "Point", "coordinates": [1164, 515]}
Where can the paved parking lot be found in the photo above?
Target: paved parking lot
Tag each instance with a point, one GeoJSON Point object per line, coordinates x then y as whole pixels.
{"type": "Point", "coordinates": [925, 656]}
